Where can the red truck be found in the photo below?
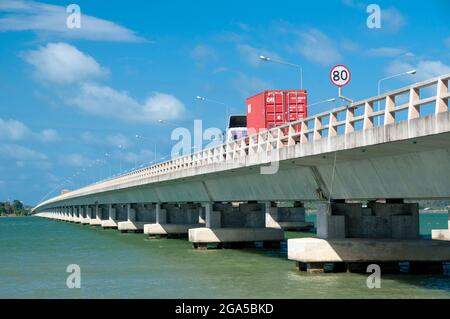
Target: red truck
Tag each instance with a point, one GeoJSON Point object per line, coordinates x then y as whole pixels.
{"type": "Point", "coordinates": [273, 108]}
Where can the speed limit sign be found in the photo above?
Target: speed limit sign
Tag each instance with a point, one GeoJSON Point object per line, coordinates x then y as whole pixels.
{"type": "Point", "coordinates": [340, 75]}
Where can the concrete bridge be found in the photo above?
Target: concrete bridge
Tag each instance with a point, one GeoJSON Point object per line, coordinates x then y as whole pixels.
{"type": "Point", "coordinates": [382, 150]}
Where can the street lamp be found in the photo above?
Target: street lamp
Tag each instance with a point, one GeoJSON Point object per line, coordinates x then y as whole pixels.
{"type": "Point", "coordinates": [166, 122]}
{"type": "Point", "coordinates": [324, 101]}
{"type": "Point", "coordinates": [109, 165]}
{"type": "Point", "coordinates": [144, 138]}
{"type": "Point", "coordinates": [267, 59]}
{"type": "Point", "coordinates": [410, 72]}
{"type": "Point", "coordinates": [120, 158]}
{"type": "Point", "coordinates": [201, 98]}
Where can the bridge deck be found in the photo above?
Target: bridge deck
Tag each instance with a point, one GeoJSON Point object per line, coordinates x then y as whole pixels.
{"type": "Point", "coordinates": [407, 158]}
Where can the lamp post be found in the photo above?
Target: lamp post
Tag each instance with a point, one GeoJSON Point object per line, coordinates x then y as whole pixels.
{"type": "Point", "coordinates": [145, 138]}
{"type": "Point", "coordinates": [410, 72]}
{"type": "Point", "coordinates": [120, 158]}
{"type": "Point", "coordinates": [227, 109]}
{"type": "Point", "coordinates": [109, 165]}
{"type": "Point", "coordinates": [267, 59]}
{"type": "Point", "coordinates": [321, 102]}
{"type": "Point", "coordinates": [167, 122]}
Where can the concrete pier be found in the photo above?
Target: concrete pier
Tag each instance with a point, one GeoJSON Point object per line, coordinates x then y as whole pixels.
{"type": "Point", "coordinates": [286, 218]}
{"type": "Point", "coordinates": [174, 220]}
{"type": "Point", "coordinates": [71, 217]}
{"type": "Point", "coordinates": [65, 214]}
{"type": "Point", "coordinates": [138, 216]}
{"type": "Point", "coordinates": [86, 213]}
{"type": "Point", "coordinates": [227, 224]}
{"type": "Point", "coordinates": [111, 222]}
{"type": "Point", "coordinates": [77, 216]}
{"type": "Point", "coordinates": [315, 252]}
{"type": "Point", "coordinates": [379, 233]}
{"type": "Point", "coordinates": [442, 234]}
{"type": "Point", "coordinates": [97, 215]}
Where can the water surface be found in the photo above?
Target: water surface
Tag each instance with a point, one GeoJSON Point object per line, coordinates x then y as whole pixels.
{"type": "Point", "coordinates": [35, 252]}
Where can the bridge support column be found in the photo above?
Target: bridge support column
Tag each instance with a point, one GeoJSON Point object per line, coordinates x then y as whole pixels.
{"type": "Point", "coordinates": [63, 213]}
{"type": "Point", "coordinates": [286, 218]}
{"type": "Point", "coordinates": [138, 216]}
{"type": "Point", "coordinates": [68, 214]}
{"type": "Point", "coordinates": [86, 215]}
{"type": "Point", "coordinates": [111, 222]}
{"type": "Point", "coordinates": [96, 216]}
{"type": "Point", "coordinates": [130, 224]}
{"type": "Point", "coordinates": [442, 234]}
{"type": "Point", "coordinates": [381, 233]}
{"type": "Point", "coordinates": [72, 214]}
{"type": "Point", "coordinates": [78, 216]}
{"type": "Point", "coordinates": [234, 226]}
{"type": "Point", "coordinates": [161, 215]}
{"type": "Point", "coordinates": [174, 220]}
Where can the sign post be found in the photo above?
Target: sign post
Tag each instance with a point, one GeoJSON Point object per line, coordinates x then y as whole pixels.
{"type": "Point", "coordinates": [340, 76]}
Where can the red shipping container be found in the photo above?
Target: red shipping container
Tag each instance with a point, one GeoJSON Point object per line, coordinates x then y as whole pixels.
{"type": "Point", "coordinates": [273, 108]}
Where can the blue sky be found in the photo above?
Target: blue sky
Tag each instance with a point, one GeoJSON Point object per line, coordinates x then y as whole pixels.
{"type": "Point", "coordinates": [70, 96]}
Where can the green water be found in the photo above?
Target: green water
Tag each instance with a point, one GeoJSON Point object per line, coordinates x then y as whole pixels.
{"type": "Point", "coordinates": [35, 252]}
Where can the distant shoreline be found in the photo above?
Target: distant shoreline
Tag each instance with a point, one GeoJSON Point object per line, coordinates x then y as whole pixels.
{"type": "Point", "coordinates": [3, 216]}
{"type": "Point", "coordinates": [421, 211]}
{"type": "Point", "coordinates": [430, 211]}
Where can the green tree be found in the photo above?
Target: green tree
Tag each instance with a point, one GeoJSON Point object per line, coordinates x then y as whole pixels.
{"type": "Point", "coordinates": [17, 206]}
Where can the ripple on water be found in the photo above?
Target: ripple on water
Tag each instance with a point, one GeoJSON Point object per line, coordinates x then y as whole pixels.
{"type": "Point", "coordinates": [35, 253]}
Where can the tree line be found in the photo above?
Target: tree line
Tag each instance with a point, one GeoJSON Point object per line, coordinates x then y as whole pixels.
{"type": "Point", "coordinates": [15, 207]}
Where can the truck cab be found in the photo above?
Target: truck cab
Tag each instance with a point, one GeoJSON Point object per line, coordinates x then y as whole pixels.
{"type": "Point", "coordinates": [237, 127]}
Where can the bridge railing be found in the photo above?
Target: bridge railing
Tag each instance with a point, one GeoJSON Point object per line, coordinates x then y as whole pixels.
{"type": "Point", "coordinates": [385, 109]}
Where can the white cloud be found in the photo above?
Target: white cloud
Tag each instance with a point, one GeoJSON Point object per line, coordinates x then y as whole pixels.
{"type": "Point", "coordinates": [76, 160]}
{"type": "Point", "coordinates": [350, 45]}
{"type": "Point", "coordinates": [106, 102]}
{"type": "Point", "coordinates": [392, 19]}
{"type": "Point", "coordinates": [203, 54]}
{"type": "Point", "coordinates": [13, 130]}
{"type": "Point", "coordinates": [354, 4]}
{"type": "Point", "coordinates": [118, 139]}
{"type": "Point", "coordinates": [43, 165]}
{"type": "Point", "coordinates": [48, 20]}
{"type": "Point", "coordinates": [425, 68]}
{"type": "Point", "coordinates": [108, 140]}
{"type": "Point", "coordinates": [317, 47]}
{"type": "Point", "coordinates": [63, 63]}
{"type": "Point", "coordinates": [251, 54]}
{"type": "Point", "coordinates": [385, 52]}
{"type": "Point", "coordinates": [21, 153]}
{"type": "Point", "coordinates": [447, 42]}
{"type": "Point", "coordinates": [88, 137]}
{"type": "Point", "coordinates": [49, 135]}
{"type": "Point", "coordinates": [141, 157]}
{"type": "Point", "coordinates": [219, 69]}
{"type": "Point", "coordinates": [250, 85]}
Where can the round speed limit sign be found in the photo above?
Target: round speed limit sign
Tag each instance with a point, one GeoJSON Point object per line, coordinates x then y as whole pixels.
{"type": "Point", "coordinates": [340, 75]}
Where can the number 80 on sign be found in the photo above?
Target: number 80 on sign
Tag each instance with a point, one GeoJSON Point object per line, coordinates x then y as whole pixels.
{"type": "Point", "coordinates": [340, 75]}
